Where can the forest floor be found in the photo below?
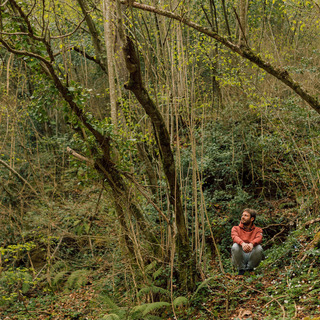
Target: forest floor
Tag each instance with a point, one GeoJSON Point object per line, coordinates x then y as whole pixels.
{"type": "Point", "coordinates": [286, 285]}
{"type": "Point", "coordinates": [232, 297]}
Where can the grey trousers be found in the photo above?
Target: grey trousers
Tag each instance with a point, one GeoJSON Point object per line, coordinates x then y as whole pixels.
{"type": "Point", "coordinates": [246, 261]}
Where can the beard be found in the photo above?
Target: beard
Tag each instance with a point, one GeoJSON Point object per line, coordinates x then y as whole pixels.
{"type": "Point", "coordinates": [246, 223]}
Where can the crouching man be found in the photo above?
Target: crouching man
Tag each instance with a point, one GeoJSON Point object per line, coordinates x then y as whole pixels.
{"type": "Point", "coordinates": [246, 251]}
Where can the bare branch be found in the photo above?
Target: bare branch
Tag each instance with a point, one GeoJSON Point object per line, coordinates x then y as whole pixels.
{"type": "Point", "coordinates": [87, 56]}
{"type": "Point", "coordinates": [80, 157]}
{"type": "Point", "coordinates": [23, 16]}
{"type": "Point", "coordinates": [23, 52]}
{"type": "Point", "coordinates": [3, 4]}
{"type": "Point", "coordinates": [72, 32]}
{"type": "Point", "coordinates": [311, 222]}
{"type": "Point", "coordinates": [19, 176]}
{"type": "Point", "coordinates": [17, 34]}
{"type": "Point", "coordinates": [34, 4]}
{"type": "Point", "coordinates": [144, 193]}
{"type": "Point", "coordinates": [241, 26]}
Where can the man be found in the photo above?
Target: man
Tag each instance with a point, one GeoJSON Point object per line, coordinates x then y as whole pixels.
{"type": "Point", "coordinates": [246, 251]}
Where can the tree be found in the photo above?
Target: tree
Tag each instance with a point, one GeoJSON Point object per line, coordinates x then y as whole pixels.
{"type": "Point", "coordinates": [101, 148]}
{"type": "Point", "coordinates": [168, 74]}
{"type": "Point", "coordinates": [244, 51]}
{"type": "Point", "coordinates": [41, 48]}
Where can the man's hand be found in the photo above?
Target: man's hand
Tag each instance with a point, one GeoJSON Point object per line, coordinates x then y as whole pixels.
{"type": "Point", "coordinates": [247, 247]}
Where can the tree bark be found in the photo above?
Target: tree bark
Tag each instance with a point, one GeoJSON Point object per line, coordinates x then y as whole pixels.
{"type": "Point", "coordinates": [95, 35]}
{"type": "Point", "coordinates": [243, 4]}
{"type": "Point", "coordinates": [108, 36]}
{"type": "Point", "coordinates": [185, 258]}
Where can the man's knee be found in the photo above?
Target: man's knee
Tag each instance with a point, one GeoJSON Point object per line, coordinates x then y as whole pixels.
{"type": "Point", "coordinates": [255, 257]}
{"type": "Point", "coordinates": [235, 248]}
{"type": "Point", "coordinates": [258, 250]}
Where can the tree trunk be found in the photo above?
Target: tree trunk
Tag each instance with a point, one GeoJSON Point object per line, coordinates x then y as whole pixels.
{"type": "Point", "coordinates": [95, 35]}
{"type": "Point", "coordinates": [109, 37]}
{"type": "Point", "coordinates": [243, 5]}
{"type": "Point", "coordinates": [186, 261]}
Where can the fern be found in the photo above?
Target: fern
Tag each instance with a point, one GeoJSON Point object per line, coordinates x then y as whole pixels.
{"type": "Point", "coordinates": [155, 306]}
{"type": "Point", "coordinates": [150, 266]}
{"type": "Point", "coordinates": [115, 311]}
{"type": "Point", "coordinates": [27, 283]}
{"type": "Point", "coordinates": [107, 301]}
{"type": "Point", "coordinates": [139, 309]}
{"type": "Point", "coordinates": [146, 308]}
{"type": "Point", "coordinates": [77, 279]}
{"type": "Point", "coordinates": [153, 289]}
{"type": "Point", "coordinates": [180, 301]}
{"type": "Point", "coordinates": [203, 284]}
{"type": "Point", "coordinates": [58, 266]}
{"type": "Point", "coordinates": [58, 279]}
{"type": "Point", "coordinates": [111, 316]}
{"type": "Point", "coordinates": [157, 273]}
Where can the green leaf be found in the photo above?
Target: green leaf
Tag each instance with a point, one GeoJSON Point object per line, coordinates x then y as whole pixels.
{"type": "Point", "coordinates": [86, 227]}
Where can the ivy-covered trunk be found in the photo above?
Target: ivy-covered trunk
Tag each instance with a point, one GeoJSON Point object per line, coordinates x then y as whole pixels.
{"type": "Point", "coordinates": [186, 262]}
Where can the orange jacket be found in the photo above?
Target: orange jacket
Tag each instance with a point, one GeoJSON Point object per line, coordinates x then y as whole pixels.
{"type": "Point", "coordinates": [240, 235]}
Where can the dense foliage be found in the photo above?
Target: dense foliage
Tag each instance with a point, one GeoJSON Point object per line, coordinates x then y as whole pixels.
{"type": "Point", "coordinates": [131, 145]}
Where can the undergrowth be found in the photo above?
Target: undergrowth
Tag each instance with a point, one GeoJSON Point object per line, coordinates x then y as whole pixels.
{"type": "Point", "coordinates": [286, 285]}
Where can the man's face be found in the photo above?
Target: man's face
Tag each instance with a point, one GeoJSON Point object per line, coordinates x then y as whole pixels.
{"type": "Point", "coordinates": [246, 218]}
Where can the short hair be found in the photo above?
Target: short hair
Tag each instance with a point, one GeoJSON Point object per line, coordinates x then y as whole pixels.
{"type": "Point", "coordinates": [252, 212]}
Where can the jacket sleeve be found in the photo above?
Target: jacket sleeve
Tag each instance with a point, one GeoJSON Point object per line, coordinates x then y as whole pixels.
{"type": "Point", "coordinates": [258, 237]}
{"type": "Point", "coordinates": [235, 235]}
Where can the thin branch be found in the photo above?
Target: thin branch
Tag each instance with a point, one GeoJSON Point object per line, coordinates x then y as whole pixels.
{"type": "Point", "coordinates": [144, 193]}
{"type": "Point", "coordinates": [274, 225]}
{"type": "Point", "coordinates": [311, 222]}
{"type": "Point", "coordinates": [50, 258]}
{"type": "Point", "coordinates": [23, 16]}
{"type": "Point", "coordinates": [34, 4]}
{"type": "Point", "coordinates": [273, 299]}
{"type": "Point", "coordinates": [89, 57]}
{"type": "Point", "coordinates": [16, 34]}
{"type": "Point", "coordinates": [273, 238]}
{"type": "Point", "coordinates": [22, 34]}
{"type": "Point", "coordinates": [225, 13]}
{"type": "Point", "coordinates": [241, 26]}
{"type": "Point", "coordinates": [80, 157]}
{"type": "Point", "coordinates": [31, 34]}
{"type": "Point", "coordinates": [72, 32]}
{"type": "Point", "coordinates": [207, 18]}
{"type": "Point", "coordinates": [23, 52]}
{"type": "Point", "coordinates": [3, 4]}
{"type": "Point", "coordinates": [43, 20]}
{"type": "Point", "coordinates": [19, 176]}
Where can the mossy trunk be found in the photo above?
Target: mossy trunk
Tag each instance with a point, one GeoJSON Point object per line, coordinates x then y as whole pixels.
{"type": "Point", "coordinates": [186, 264]}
